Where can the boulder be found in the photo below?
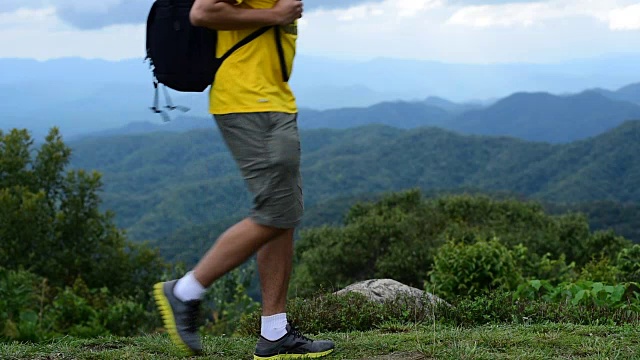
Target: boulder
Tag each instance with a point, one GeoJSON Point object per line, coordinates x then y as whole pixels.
{"type": "Point", "coordinates": [381, 290]}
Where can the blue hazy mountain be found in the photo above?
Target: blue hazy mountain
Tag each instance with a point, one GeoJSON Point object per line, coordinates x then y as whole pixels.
{"type": "Point", "coordinates": [630, 93]}
{"type": "Point", "coordinates": [82, 96]}
{"type": "Point", "coordinates": [546, 117]}
{"type": "Point", "coordinates": [529, 116]}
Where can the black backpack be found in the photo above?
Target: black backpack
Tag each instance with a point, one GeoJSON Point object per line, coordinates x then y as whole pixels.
{"type": "Point", "coordinates": [182, 56]}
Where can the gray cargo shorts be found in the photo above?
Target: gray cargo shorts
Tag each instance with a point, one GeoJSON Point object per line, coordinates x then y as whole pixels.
{"type": "Point", "coordinates": [266, 147]}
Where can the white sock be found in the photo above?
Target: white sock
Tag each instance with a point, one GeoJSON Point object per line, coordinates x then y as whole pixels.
{"type": "Point", "coordinates": [274, 327]}
{"type": "Point", "coordinates": [188, 288]}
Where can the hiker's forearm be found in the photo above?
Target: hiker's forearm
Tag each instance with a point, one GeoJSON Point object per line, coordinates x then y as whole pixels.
{"type": "Point", "coordinates": [221, 15]}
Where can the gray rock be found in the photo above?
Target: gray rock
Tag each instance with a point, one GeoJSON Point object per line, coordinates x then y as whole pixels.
{"type": "Point", "coordinates": [381, 290]}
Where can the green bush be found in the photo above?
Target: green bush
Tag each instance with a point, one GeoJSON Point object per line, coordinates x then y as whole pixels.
{"type": "Point", "coordinates": [553, 270]}
{"type": "Point", "coordinates": [230, 301]}
{"type": "Point", "coordinates": [30, 310]}
{"type": "Point", "coordinates": [605, 244]}
{"type": "Point", "coordinates": [125, 317]}
{"type": "Point", "coordinates": [353, 312]}
{"type": "Point", "coordinates": [489, 308]}
{"type": "Point", "coordinates": [342, 313]}
{"type": "Point", "coordinates": [393, 238]}
{"type": "Point", "coordinates": [72, 313]}
{"type": "Point", "coordinates": [628, 262]}
{"type": "Point", "coordinates": [468, 270]}
{"type": "Point", "coordinates": [398, 237]}
{"type": "Point", "coordinates": [588, 293]}
{"type": "Point", "coordinates": [500, 307]}
{"type": "Point", "coordinates": [22, 296]}
{"type": "Point", "coordinates": [600, 270]}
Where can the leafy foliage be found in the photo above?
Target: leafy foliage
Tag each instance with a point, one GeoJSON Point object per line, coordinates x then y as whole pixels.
{"type": "Point", "coordinates": [31, 310]}
{"type": "Point", "coordinates": [400, 235]}
{"type": "Point", "coordinates": [353, 312]}
{"type": "Point", "coordinates": [67, 269]}
{"type": "Point", "coordinates": [469, 270]}
{"type": "Point", "coordinates": [620, 296]}
{"type": "Point", "coordinates": [230, 302]}
{"type": "Point", "coordinates": [344, 313]}
{"type": "Point", "coordinates": [622, 218]}
{"type": "Point", "coordinates": [628, 262]}
{"type": "Point", "coordinates": [521, 307]}
{"type": "Point", "coordinates": [52, 225]}
{"type": "Point", "coordinates": [388, 239]}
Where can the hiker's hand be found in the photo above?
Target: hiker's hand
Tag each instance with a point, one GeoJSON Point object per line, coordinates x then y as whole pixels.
{"type": "Point", "coordinates": [288, 11]}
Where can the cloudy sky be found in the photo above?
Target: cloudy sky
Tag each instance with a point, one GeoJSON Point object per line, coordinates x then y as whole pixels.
{"type": "Point", "coordinates": [469, 31]}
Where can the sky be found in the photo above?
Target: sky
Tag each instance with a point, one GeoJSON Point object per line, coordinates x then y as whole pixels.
{"type": "Point", "coordinates": [459, 31]}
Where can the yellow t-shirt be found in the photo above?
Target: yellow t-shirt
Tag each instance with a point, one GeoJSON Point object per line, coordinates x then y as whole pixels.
{"type": "Point", "coordinates": [251, 80]}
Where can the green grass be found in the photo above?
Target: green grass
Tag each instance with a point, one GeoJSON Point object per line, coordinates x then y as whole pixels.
{"type": "Point", "coordinates": [552, 341]}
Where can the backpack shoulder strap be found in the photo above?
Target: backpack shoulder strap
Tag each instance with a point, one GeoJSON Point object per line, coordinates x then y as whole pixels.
{"type": "Point", "coordinates": [254, 35]}
{"type": "Point", "coordinates": [283, 62]}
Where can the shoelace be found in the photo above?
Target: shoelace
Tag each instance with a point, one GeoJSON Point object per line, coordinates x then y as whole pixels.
{"type": "Point", "coordinates": [191, 315]}
{"type": "Point", "coordinates": [297, 334]}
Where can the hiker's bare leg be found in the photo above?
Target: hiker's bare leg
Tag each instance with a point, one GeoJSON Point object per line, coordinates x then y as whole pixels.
{"type": "Point", "coordinates": [233, 248]}
{"type": "Point", "coordinates": [274, 265]}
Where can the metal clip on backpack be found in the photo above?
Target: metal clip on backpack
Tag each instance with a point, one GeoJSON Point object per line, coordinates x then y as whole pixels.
{"type": "Point", "coordinates": [182, 56]}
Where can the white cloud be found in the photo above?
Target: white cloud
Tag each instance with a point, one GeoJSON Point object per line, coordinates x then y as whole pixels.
{"type": "Point", "coordinates": [539, 13]}
{"type": "Point", "coordinates": [40, 34]}
{"type": "Point", "coordinates": [509, 15]}
{"type": "Point", "coordinates": [42, 18]}
{"type": "Point", "coordinates": [428, 29]}
{"type": "Point", "coordinates": [355, 13]}
{"type": "Point", "coordinates": [409, 8]}
{"type": "Point", "coordinates": [388, 9]}
{"type": "Point", "coordinates": [625, 18]}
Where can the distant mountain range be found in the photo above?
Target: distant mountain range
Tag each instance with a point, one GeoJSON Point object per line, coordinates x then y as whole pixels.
{"type": "Point", "coordinates": [159, 183]}
{"type": "Point", "coordinates": [545, 117]}
{"type": "Point", "coordinates": [529, 116]}
{"type": "Point", "coordinates": [83, 96]}
{"type": "Point", "coordinates": [630, 93]}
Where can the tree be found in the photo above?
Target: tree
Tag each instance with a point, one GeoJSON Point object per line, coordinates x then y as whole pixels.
{"type": "Point", "coordinates": [399, 236]}
{"type": "Point", "coordinates": [51, 223]}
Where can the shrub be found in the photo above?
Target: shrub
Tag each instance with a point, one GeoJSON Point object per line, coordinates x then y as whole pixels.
{"type": "Point", "coordinates": [342, 313]}
{"type": "Point", "coordinates": [124, 317]}
{"type": "Point", "coordinates": [22, 298]}
{"type": "Point", "coordinates": [628, 262]}
{"type": "Point", "coordinates": [600, 271]}
{"type": "Point", "coordinates": [605, 244]}
{"type": "Point", "coordinates": [230, 301]}
{"type": "Point", "coordinates": [587, 293]}
{"type": "Point", "coordinates": [467, 270]}
{"type": "Point", "coordinates": [394, 238]}
{"type": "Point", "coordinates": [399, 236]}
{"type": "Point", "coordinates": [30, 310]}
{"type": "Point", "coordinates": [554, 270]}
{"type": "Point", "coordinates": [500, 307]}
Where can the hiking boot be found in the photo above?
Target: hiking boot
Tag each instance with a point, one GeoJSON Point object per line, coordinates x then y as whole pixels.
{"type": "Point", "coordinates": [293, 345]}
{"type": "Point", "coordinates": [180, 318]}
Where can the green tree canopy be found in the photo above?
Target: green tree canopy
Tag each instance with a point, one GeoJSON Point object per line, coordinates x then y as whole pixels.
{"type": "Point", "coordinates": [399, 236]}
{"type": "Point", "coordinates": [51, 224]}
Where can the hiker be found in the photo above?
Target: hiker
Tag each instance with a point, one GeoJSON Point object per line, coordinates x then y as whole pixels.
{"type": "Point", "coordinates": [256, 112]}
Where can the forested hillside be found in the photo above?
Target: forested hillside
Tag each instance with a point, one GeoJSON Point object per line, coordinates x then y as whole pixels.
{"type": "Point", "coordinates": [159, 183]}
